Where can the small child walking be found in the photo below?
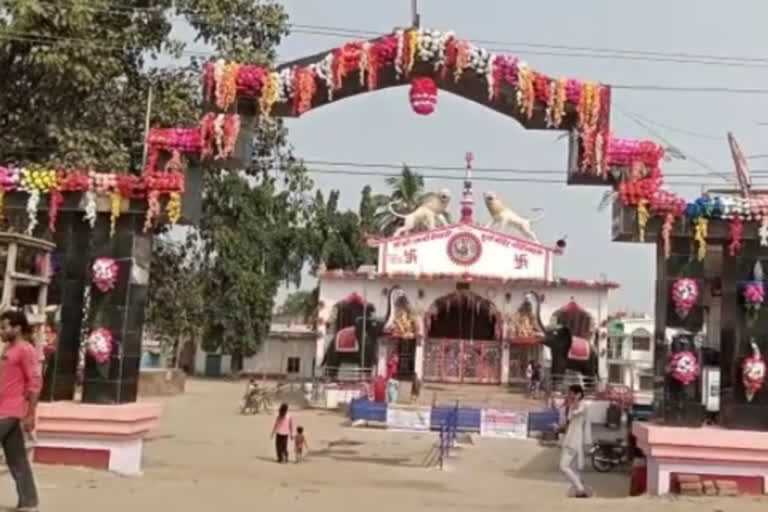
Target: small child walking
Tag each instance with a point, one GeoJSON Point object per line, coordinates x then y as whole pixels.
{"type": "Point", "coordinates": [282, 431]}
{"type": "Point", "coordinates": [300, 443]}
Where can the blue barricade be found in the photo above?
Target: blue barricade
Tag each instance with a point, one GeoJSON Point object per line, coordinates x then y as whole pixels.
{"type": "Point", "coordinates": [541, 421]}
{"type": "Point", "coordinates": [467, 420]}
{"type": "Point", "coordinates": [364, 409]}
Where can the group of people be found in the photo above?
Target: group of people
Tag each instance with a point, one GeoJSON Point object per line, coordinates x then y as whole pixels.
{"type": "Point", "coordinates": [283, 432]}
{"type": "Point", "coordinates": [20, 384]}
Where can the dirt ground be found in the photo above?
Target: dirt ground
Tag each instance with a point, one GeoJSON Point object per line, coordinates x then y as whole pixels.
{"type": "Point", "coordinates": [207, 457]}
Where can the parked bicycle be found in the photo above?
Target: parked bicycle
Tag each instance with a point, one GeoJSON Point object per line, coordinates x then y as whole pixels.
{"type": "Point", "coordinates": [255, 399]}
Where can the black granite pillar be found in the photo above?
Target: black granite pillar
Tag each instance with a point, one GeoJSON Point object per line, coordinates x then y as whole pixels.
{"type": "Point", "coordinates": [736, 333]}
{"type": "Point", "coordinates": [120, 310]}
{"type": "Point", "coordinates": [71, 260]}
{"type": "Point", "coordinates": [674, 403]}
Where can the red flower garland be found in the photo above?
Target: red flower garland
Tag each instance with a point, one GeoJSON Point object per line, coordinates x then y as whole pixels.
{"type": "Point", "coordinates": [685, 294]}
{"type": "Point", "coordinates": [684, 367]}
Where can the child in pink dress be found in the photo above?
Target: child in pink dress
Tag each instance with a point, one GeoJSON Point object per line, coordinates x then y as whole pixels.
{"type": "Point", "coordinates": [282, 432]}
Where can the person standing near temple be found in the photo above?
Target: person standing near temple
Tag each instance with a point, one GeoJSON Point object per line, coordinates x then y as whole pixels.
{"type": "Point", "coordinates": [577, 434]}
{"type": "Point", "coordinates": [20, 383]}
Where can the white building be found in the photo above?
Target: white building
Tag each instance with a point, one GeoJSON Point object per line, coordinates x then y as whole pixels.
{"type": "Point", "coordinates": [288, 351]}
{"type": "Point", "coordinates": [627, 352]}
{"type": "Point", "coordinates": [450, 303]}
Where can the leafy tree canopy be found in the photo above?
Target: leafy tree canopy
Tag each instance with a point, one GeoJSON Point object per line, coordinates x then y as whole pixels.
{"type": "Point", "coordinates": [77, 75]}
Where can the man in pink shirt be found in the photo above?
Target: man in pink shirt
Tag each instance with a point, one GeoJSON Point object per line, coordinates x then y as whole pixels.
{"type": "Point", "coordinates": [20, 383]}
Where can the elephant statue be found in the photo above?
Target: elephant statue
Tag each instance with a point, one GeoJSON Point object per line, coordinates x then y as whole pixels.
{"type": "Point", "coordinates": [568, 352]}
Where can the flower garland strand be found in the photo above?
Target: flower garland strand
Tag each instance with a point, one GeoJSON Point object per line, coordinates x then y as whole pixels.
{"type": "Point", "coordinates": [753, 372]}
{"type": "Point", "coordinates": [700, 236]}
{"type": "Point", "coordinates": [226, 83]}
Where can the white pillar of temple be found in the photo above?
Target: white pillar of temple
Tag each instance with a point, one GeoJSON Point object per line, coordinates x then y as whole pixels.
{"type": "Point", "coordinates": [504, 363]}
{"type": "Point", "coordinates": [418, 359]}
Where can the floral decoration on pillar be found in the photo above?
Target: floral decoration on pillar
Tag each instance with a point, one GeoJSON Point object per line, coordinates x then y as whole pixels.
{"type": "Point", "coordinates": [754, 294]}
{"type": "Point", "coordinates": [105, 271]}
{"type": "Point", "coordinates": [423, 95]}
{"type": "Point", "coordinates": [684, 367]}
{"type": "Point", "coordinates": [685, 294]}
{"type": "Point", "coordinates": [98, 346]}
{"type": "Point", "coordinates": [753, 372]}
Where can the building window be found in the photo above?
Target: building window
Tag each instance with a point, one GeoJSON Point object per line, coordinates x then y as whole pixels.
{"type": "Point", "coordinates": [615, 374]}
{"type": "Point", "coordinates": [641, 342]}
{"type": "Point", "coordinates": [646, 382]}
{"type": "Point", "coordinates": [614, 347]}
{"type": "Point", "coordinates": [294, 365]}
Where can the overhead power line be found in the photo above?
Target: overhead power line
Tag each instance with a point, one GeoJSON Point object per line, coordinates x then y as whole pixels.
{"type": "Point", "coordinates": [584, 51]}
{"type": "Point", "coordinates": [491, 170]}
{"type": "Point", "coordinates": [490, 179]}
{"type": "Point", "coordinates": [87, 43]}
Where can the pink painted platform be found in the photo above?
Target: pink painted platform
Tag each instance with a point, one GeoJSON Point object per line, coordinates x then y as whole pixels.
{"type": "Point", "coordinates": [740, 455]}
{"type": "Point", "coordinates": [108, 437]}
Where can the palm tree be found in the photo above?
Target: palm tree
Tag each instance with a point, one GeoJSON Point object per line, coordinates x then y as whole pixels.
{"type": "Point", "coordinates": [407, 193]}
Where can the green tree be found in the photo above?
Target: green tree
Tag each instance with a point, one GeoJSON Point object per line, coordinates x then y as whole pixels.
{"type": "Point", "coordinates": [300, 304]}
{"type": "Point", "coordinates": [407, 190]}
{"type": "Point", "coordinates": [335, 239]}
{"type": "Point", "coordinates": [78, 74]}
{"type": "Point", "coordinates": [176, 304]}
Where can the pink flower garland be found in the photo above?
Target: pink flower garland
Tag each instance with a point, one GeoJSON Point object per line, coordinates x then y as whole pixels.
{"type": "Point", "coordinates": [685, 294]}
{"type": "Point", "coordinates": [105, 271]}
{"type": "Point", "coordinates": [684, 367]}
{"type": "Point", "coordinates": [99, 345]}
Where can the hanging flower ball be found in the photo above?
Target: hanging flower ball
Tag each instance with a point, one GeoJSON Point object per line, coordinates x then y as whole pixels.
{"type": "Point", "coordinates": [685, 294]}
{"type": "Point", "coordinates": [99, 345]}
{"type": "Point", "coordinates": [423, 95]}
{"type": "Point", "coordinates": [104, 274]}
{"type": "Point", "coordinates": [753, 370]}
{"type": "Point", "coordinates": [684, 367]}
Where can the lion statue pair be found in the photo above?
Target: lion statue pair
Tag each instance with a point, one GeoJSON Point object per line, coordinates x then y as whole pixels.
{"type": "Point", "coordinates": [431, 214]}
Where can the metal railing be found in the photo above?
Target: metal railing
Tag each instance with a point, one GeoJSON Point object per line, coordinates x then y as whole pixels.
{"type": "Point", "coordinates": [347, 373]}
{"type": "Point", "coordinates": [448, 430]}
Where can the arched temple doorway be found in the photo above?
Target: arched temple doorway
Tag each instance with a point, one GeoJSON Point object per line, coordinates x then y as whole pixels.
{"type": "Point", "coordinates": [463, 342]}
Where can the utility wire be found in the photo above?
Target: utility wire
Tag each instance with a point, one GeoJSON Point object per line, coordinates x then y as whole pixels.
{"type": "Point", "coordinates": [87, 43]}
{"type": "Point", "coordinates": [336, 31]}
{"type": "Point", "coordinates": [41, 150]}
{"type": "Point", "coordinates": [632, 117]}
{"type": "Point", "coordinates": [490, 179]}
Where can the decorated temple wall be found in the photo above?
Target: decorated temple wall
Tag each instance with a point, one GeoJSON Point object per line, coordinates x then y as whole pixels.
{"type": "Point", "coordinates": [421, 294]}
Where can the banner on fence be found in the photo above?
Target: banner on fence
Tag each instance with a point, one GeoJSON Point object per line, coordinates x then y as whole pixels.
{"type": "Point", "coordinates": [507, 424]}
{"type": "Point", "coordinates": [408, 418]}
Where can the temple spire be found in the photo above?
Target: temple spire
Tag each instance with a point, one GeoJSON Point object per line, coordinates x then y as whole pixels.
{"type": "Point", "coordinates": [467, 201]}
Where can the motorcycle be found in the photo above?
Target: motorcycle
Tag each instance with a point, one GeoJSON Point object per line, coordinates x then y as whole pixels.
{"type": "Point", "coordinates": [606, 456]}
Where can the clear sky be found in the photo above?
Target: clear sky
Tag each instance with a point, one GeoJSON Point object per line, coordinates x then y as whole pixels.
{"type": "Point", "coordinates": [380, 127]}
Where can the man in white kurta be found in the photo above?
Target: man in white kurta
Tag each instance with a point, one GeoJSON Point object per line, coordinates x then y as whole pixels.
{"type": "Point", "coordinates": [578, 433]}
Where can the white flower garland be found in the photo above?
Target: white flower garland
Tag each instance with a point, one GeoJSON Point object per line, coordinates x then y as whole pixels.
{"type": "Point", "coordinates": [285, 85]}
{"type": "Point", "coordinates": [90, 208]}
{"type": "Point", "coordinates": [399, 53]}
{"type": "Point", "coordinates": [218, 130]}
{"type": "Point", "coordinates": [33, 201]}
{"type": "Point", "coordinates": [324, 71]}
{"type": "Point", "coordinates": [363, 62]}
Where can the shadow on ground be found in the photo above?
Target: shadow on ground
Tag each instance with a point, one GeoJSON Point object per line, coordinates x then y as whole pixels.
{"type": "Point", "coordinates": [544, 467]}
